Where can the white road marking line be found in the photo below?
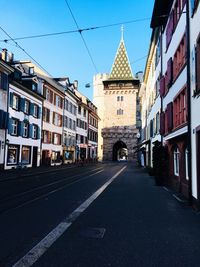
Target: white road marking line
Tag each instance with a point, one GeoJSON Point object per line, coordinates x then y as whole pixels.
{"type": "Point", "coordinates": [36, 252]}
{"type": "Point", "coordinates": [166, 188]}
{"type": "Point", "coordinates": [177, 198]}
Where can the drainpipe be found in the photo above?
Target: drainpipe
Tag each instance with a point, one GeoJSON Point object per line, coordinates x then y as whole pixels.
{"type": "Point", "coordinates": [6, 130]}
{"type": "Point", "coordinates": [189, 136]}
{"type": "Point", "coordinates": [161, 71]}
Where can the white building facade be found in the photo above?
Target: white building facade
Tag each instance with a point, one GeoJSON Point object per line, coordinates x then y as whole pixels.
{"type": "Point", "coordinates": [195, 100]}
{"type": "Point", "coordinates": [24, 127]}
{"type": "Point", "coordinates": [69, 125]}
{"type": "Point", "coordinates": [82, 128]}
{"type": "Point", "coordinates": [5, 70]}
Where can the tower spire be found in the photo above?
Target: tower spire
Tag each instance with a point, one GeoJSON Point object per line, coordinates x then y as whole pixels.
{"type": "Point", "coordinates": [121, 69]}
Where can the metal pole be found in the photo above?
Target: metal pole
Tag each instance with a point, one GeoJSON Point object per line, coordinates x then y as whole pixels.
{"type": "Point", "coordinates": [189, 135]}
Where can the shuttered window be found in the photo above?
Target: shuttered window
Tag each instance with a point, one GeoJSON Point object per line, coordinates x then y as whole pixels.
{"type": "Point", "coordinates": [180, 109]}
{"type": "Point", "coordinates": [162, 86]}
{"type": "Point", "coordinates": [169, 73]}
{"type": "Point", "coordinates": [170, 116]}
{"type": "Point", "coordinates": [179, 58]}
{"type": "Point", "coordinates": [162, 123]}
{"type": "Point", "coordinates": [169, 30]}
{"type": "Point", "coordinates": [3, 81]}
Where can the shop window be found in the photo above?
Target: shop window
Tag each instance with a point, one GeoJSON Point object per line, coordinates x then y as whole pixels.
{"type": "Point", "coordinates": [26, 155]}
{"type": "Point", "coordinates": [55, 156]}
{"type": "Point", "coordinates": [68, 155]}
{"type": "Point", "coordinates": [13, 155]}
{"type": "Point", "coordinates": [176, 154]}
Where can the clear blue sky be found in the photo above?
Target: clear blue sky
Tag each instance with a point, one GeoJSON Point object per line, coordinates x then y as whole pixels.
{"type": "Point", "coordinates": [65, 55]}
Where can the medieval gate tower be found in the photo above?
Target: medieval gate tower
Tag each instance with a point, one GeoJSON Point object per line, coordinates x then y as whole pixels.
{"type": "Point", "coordinates": [115, 97]}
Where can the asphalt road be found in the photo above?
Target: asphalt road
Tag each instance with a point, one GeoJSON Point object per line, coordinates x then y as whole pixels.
{"type": "Point", "coordinates": [102, 215]}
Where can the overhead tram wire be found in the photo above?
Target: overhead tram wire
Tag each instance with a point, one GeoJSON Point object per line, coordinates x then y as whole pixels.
{"type": "Point", "coordinates": [80, 31]}
{"type": "Point", "coordinates": [75, 31]}
{"type": "Point", "coordinates": [21, 48]}
{"type": "Point", "coordinates": [139, 59]}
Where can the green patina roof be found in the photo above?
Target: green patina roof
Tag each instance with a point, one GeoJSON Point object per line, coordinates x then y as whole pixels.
{"type": "Point", "coordinates": [121, 69]}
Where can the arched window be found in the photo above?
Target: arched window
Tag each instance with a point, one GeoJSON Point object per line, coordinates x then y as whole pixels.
{"type": "Point", "coordinates": [176, 161]}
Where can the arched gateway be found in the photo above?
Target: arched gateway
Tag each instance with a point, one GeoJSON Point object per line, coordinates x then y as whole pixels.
{"type": "Point", "coordinates": [115, 96]}
{"type": "Point", "coordinates": [120, 151]}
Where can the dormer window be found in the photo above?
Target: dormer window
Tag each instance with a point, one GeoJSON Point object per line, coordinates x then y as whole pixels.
{"type": "Point", "coordinates": [31, 70]}
{"type": "Point", "coordinates": [34, 86]}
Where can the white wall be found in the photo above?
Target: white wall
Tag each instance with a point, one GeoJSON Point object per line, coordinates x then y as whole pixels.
{"type": "Point", "coordinates": [195, 101]}
{"type": "Point", "coordinates": [18, 140]}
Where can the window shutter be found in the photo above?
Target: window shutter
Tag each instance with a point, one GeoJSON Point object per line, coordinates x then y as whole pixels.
{"type": "Point", "coordinates": [22, 104]}
{"type": "Point", "coordinates": [170, 116]}
{"type": "Point", "coordinates": [169, 72]}
{"type": "Point", "coordinates": [38, 132]}
{"type": "Point", "coordinates": [9, 125]}
{"type": "Point", "coordinates": [4, 81]}
{"type": "Point", "coordinates": [1, 119]}
{"type": "Point", "coordinates": [5, 120]}
{"type": "Point", "coordinates": [11, 99]}
{"type": "Point", "coordinates": [151, 128]}
{"type": "Point", "coordinates": [162, 123]}
{"type": "Point", "coordinates": [20, 128]}
{"type": "Point", "coordinates": [30, 135]}
{"type": "Point", "coordinates": [162, 86]}
{"type": "Point", "coordinates": [52, 138]}
{"type": "Point", "coordinates": [31, 108]}
{"type": "Point", "coordinates": [198, 66]}
{"type": "Point", "coordinates": [39, 112]}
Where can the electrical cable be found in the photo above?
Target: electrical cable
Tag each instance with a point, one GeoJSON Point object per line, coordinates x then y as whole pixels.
{"type": "Point", "coordinates": [20, 47]}
{"type": "Point", "coordinates": [74, 31]}
{"type": "Point", "coordinates": [80, 31]}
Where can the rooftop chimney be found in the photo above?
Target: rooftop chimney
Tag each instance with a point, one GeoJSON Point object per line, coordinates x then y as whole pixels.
{"type": "Point", "coordinates": [8, 57]}
{"type": "Point", "coordinates": [76, 84]}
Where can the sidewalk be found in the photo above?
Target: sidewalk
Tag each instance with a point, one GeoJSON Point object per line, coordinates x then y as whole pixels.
{"type": "Point", "coordinates": [132, 224]}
